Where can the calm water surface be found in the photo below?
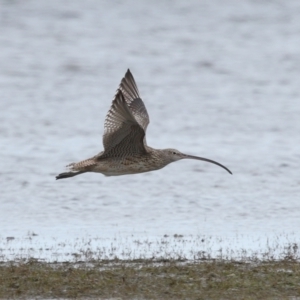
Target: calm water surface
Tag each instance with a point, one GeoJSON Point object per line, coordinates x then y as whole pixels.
{"type": "Point", "coordinates": [220, 79]}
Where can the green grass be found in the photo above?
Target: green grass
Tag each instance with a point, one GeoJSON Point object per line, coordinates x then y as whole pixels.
{"type": "Point", "coordinates": [149, 279]}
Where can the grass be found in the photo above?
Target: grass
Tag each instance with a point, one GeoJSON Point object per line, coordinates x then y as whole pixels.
{"type": "Point", "coordinates": [150, 279]}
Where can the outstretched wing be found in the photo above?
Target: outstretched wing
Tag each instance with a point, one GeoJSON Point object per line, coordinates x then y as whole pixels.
{"type": "Point", "coordinates": [133, 100]}
{"type": "Point", "coordinates": [123, 135]}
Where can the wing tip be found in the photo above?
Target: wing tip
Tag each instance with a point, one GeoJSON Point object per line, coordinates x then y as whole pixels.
{"type": "Point", "coordinates": [127, 75]}
{"type": "Point", "coordinates": [129, 87]}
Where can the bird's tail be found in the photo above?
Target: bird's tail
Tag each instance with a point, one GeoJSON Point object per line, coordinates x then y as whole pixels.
{"type": "Point", "coordinates": [69, 174]}
{"type": "Point", "coordinates": [75, 169]}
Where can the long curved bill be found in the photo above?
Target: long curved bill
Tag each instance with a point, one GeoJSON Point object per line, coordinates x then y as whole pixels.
{"type": "Point", "coordinates": [208, 160]}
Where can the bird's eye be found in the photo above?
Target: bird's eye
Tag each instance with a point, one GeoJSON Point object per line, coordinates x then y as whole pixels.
{"type": "Point", "coordinates": [174, 152]}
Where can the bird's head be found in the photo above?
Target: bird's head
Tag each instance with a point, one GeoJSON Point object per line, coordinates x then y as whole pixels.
{"type": "Point", "coordinates": [172, 155]}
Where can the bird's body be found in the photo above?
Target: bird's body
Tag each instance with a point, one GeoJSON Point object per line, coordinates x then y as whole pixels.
{"type": "Point", "coordinates": [123, 165]}
{"type": "Point", "coordinates": [125, 148]}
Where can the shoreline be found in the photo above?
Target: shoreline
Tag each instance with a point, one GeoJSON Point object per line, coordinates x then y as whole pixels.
{"type": "Point", "coordinates": [151, 279]}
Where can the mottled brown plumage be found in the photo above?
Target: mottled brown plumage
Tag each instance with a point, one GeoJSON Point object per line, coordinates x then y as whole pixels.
{"type": "Point", "coordinates": [124, 140]}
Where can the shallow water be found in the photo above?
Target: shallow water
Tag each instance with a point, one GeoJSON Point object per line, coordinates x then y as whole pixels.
{"type": "Point", "coordinates": [220, 79]}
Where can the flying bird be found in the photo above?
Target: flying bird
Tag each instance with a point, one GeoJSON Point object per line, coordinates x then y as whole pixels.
{"type": "Point", "coordinates": [124, 140]}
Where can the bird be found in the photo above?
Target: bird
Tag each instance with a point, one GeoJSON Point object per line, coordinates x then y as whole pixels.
{"type": "Point", "coordinates": [124, 140]}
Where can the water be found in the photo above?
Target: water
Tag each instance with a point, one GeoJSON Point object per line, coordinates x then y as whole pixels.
{"type": "Point", "coordinates": [220, 79]}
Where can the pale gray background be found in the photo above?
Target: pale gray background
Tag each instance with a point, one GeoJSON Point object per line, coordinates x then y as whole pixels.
{"type": "Point", "coordinates": [220, 79]}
